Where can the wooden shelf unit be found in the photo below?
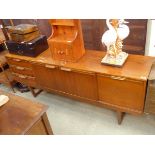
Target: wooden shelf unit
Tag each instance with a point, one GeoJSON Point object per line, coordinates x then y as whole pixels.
{"type": "Point", "coordinates": [66, 42]}
{"type": "Point", "coordinates": [62, 22]}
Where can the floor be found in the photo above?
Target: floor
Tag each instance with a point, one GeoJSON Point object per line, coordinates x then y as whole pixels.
{"type": "Point", "coordinates": [70, 117]}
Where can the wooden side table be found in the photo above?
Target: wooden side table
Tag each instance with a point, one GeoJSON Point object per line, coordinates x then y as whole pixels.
{"type": "Point", "coordinates": [21, 116]}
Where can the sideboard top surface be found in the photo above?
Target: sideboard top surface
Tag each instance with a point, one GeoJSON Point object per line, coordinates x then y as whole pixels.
{"type": "Point", "coordinates": [136, 66]}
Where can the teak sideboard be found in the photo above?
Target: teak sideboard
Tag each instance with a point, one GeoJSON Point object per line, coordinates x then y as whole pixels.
{"type": "Point", "coordinates": [121, 89]}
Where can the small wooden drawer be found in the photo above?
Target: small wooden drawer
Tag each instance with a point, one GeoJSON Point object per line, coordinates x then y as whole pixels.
{"type": "Point", "coordinates": [18, 62]}
{"type": "Point", "coordinates": [62, 51]}
{"type": "Point", "coordinates": [22, 70]}
{"type": "Point", "coordinates": [27, 80]}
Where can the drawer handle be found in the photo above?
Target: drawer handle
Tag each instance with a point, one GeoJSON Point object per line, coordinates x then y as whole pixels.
{"type": "Point", "coordinates": [65, 69]}
{"type": "Point", "coordinates": [50, 66]}
{"type": "Point", "coordinates": [17, 60]}
{"type": "Point", "coordinates": [30, 77]}
{"type": "Point", "coordinates": [61, 52]}
{"type": "Point", "coordinates": [14, 73]}
{"type": "Point", "coordinates": [22, 76]}
{"type": "Point", "coordinates": [118, 78]}
{"type": "Point", "coordinates": [122, 78]}
{"type": "Point", "coordinates": [20, 68]}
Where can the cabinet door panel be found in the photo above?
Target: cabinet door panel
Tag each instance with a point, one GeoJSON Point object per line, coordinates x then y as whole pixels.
{"type": "Point", "coordinates": [52, 77]}
{"type": "Point", "coordinates": [85, 85]}
{"type": "Point", "coordinates": [65, 81]}
{"type": "Point", "coordinates": [46, 76]}
{"type": "Point", "coordinates": [125, 93]}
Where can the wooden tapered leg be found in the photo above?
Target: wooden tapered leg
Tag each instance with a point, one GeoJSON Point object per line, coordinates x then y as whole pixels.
{"type": "Point", "coordinates": [11, 85]}
{"type": "Point", "coordinates": [35, 93]}
{"type": "Point", "coordinates": [12, 89]}
{"type": "Point", "coordinates": [47, 124]}
{"type": "Point", "coordinates": [120, 116]}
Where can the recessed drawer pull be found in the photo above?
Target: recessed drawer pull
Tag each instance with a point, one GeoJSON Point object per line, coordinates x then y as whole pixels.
{"type": "Point", "coordinates": [65, 69]}
{"type": "Point", "coordinates": [50, 66]}
{"type": "Point", "coordinates": [30, 77]}
{"type": "Point", "coordinates": [118, 78]}
{"type": "Point", "coordinates": [58, 52]}
{"type": "Point", "coordinates": [122, 78]}
{"type": "Point", "coordinates": [14, 73]}
{"type": "Point", "coordinates": [22, 76]}
{"type": "Point", "coordinates": [16, 60]}
{"type": "Point", "coordinates": [61, 52]}
{"type": "Point", "coordinates": [20, 68]}
{"type": "Point", "coordinates": [115, 77]}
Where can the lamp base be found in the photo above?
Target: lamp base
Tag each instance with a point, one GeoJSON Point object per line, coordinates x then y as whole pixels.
{"type": "Point", "coordinates": [117, 61]}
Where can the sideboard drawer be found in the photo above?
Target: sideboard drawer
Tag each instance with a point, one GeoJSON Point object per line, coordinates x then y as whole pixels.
{"type": "Point", "coordinates": [21, 70]}
{"type": "Point", "coordinates": [27, 80]}
{"type": "Point", "coordinates": [62, 51]}
{"type": "Point", "coordinates": [121, 92]}
{"type": "Point", "coordinates": [18, 62]}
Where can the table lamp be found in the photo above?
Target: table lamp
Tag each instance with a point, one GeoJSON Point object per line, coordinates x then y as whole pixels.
{"type": "Point", "coordinates": [113, 39]}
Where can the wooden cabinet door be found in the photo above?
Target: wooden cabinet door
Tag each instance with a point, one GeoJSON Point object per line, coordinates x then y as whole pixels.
{"type": "Point", "coordinates": [121, 93]}
{"type": "Point", "coordinates": [46, 76]}
{"type": "Point", "coordinates": [65, 81]}
{"type": "Point", "coordinates": [85, 85]}
{"type": "Point", "coordinates": [77, 83]}
{"type": "Point", "coordinates": [53, 78]}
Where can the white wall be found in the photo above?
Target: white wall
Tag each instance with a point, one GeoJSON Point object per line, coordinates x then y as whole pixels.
{"type": "Point", "coordinates": [150, 38]}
